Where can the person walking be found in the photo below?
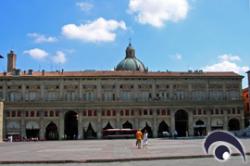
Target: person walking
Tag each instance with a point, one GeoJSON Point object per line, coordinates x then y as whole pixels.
{"type": "Point", "coordinates": [145, 138]}
{"type": "Point", "coordinates": [138, 138]}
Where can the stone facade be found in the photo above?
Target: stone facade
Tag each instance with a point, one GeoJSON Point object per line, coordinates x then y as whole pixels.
{"type": "Point", "coordinates": [43, 104]}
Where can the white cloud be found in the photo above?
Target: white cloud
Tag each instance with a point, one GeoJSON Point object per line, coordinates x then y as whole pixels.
{"type": "Point", "coordinates": [157, 12]}
{"type": "Point", "coordinates": [36, 53]}
{"type": "Point", "coordinates": [100, 30]}
{"type": "Point", "coordinates": [227, 62]}
{"type": "Point", "coordinates": [39, 38]}
{"type": "Point", "coordinates": [85, 6]}
{"type": "Point", "coordinates": [59, 58]}
{"type": "Point", "coordinates": [178, 56]}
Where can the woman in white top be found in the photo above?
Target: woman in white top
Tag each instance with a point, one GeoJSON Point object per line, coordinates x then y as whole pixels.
{"type": "Point", "coordinates": [145, 138]}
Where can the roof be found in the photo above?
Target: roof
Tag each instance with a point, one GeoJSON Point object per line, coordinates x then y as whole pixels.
{"type": "Point", "coordinates": [122, 74]}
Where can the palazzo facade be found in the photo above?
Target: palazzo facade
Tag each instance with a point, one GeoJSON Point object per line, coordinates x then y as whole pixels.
{"type": "Point", "coordinates": [80, 105]}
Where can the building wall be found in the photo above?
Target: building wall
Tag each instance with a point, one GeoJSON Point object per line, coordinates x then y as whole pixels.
{"type": "Point", "coordinates": [34, 103]}
{"type": "Point", "coordinates": [1, 121]}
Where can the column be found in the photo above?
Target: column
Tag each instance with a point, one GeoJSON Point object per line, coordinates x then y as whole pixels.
{"type": "Point", "coordinates": [99, 124]}
{"type": "Point", "coordinates": [42, 126]}
{"type": "Point", "coordinates": [190, 123]}
{"type": "Point", "coordinates": [155, 134]}
{"type": "Point", "coordinates": [80, 127]}
{"type": "Point", "coordinates": [61, 124]}
{"type": "Point", "coordinates": [118, 119]}
{"type": "Point", "coordinates": [1, 121]}
{"type": "Point", "coordinates": [208, 127]}
{"type": "Point", "coordinates": [225, 125]}
{"type": "Point", "coordinates": [23, 127]}
{"type": "Point", "coordinates": [172, 121]}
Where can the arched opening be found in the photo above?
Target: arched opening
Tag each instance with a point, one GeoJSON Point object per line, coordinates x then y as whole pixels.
{"type": "Point", "coordinates": [181, 123]}
{"type": "Point", "coordinates": [163, 129]}
{"type": "Point", "coordinates": [108, 126]}
{"type": "Point", "coordinates": [32, 130]}
{"type": "Point", "coordinates": [233, 124]}
{"type": "Point", "coordinates": [71, 125]}
{"type": "Point", "coordinates": [90, 132]}
{"type": "Point", "coordinates": [200, 128]}
{"type": "Point", "coordinates": [51, 132]}
{"type": "Point", "coordinates": [149, 130]}
{"type": "Point", "coordinates": [127, 125]}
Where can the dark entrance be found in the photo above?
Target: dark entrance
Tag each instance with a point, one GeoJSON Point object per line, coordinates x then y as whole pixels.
{"type": "Point", "coordinates": [163, 128]}
{"type": "Point", "coordinates": [127, 125]}
{"type": "Point", "coordinates": [32, 133]}
{"type": "Point", "coordinates": [200, 128]}
{"type": "Point", "coordinates": [71, 125]}
{"type": "Point", "coordinates": [149, 130]}
{"type": "Point", "coordinates": [233, 124]}
{"type": "Point", "coordinates": [181, 123]}
{"type": "Point", "coordinates": [51, 132]}
{"type": "Point", "coordinates": [108, 126]}
{"type": "Point", "coordinates": [90, 132]}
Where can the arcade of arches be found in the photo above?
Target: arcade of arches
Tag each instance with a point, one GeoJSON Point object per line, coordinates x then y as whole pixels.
{"type": "Point", "coordinates": [76, 125]}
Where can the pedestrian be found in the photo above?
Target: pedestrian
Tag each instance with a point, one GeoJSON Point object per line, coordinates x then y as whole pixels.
{"type": "Point", "coordinates": [145, 138]}
{"type": "Point", "coordinates": [138, 138]}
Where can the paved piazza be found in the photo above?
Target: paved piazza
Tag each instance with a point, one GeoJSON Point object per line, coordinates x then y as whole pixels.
{"type": "Point", "coordinates": [185, 162]}
{"type": "Point", "coordinates": [93, 150]}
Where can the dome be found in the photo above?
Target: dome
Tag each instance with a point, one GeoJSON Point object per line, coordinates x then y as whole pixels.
{"type": "Point", "coordinates": [130, 63]}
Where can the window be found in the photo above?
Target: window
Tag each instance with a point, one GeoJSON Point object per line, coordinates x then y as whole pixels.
{"type": "Point", "coordinates": [89, 112]}
{"type": "Point", "coordinates": [151, 112]}
{"type": "Point", "coordinates": [8, 114]}
{"type": "Point", "coordinates": [38, 114]}
{"type": "Point", "coordinates": [46, 113]}
{"type": "Point", "coordinates": [127, 112]}
{"type": "Point", "coordinates": [108, 113]}
{"type": "Point", "coordinates": [140, 112]}
{"type": "Point", "coordinates": [51, 113]}
{"type": "Point", "coordinates": [27, 113]}
{"type": "Point", "coordinates": [168, 112]}
{"type": "Point", "coordinates": [32, 113]}
{"type": "Point", "coordinates": [145, 112]}
{"type": "Point", "coordinates": [121, 112]}
{"type": "Point", "coordinates": [158, 112]}
{"type": "Point", "coordinates": [132, 112]}
{"type": "Point", "coordinates": [84, 113]}
{"type": "Point", "coordinates": [95, 113]}
{"type": "Point", "coordinates": [163, 112]}
{"type": "Point", "coordinates": [114, 113]}
{"type": "Point", "coordinates": [13, 114]}
{"type": "Point", "coordinates": [221, 111]}
{"type": "Point", "coordinates": [216, 111]}
{"type": "Point", "coordinates": [103, 113]}
{"type": "Point", "coordinates": [19, 113]}
{"type": "Point", "coordinates": [199, 111]}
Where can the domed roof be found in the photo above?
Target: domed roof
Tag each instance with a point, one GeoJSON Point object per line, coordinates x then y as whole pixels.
{"type": "Point", "coordinates": [130, 63]}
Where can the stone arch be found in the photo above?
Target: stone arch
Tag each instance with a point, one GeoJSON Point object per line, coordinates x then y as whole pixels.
{"type": "Point", "coordinates": [51, 132]}
{"type": "Point", "coordinates": [148, 127]}
{"type": "Point", "coordinates": [200, 128]}
{"type": "Point", "coordinates": [71, 125]}
{"type": "Point", "coordinates": [32, 125]}
{"type": "Point", "coordinates": [181, 123]}
{"type": "Point", "coordinates": [109, 123]}
{"type": "Point", "coordinates": [108, 126]}
{"type": "Point", "coordinates": [233, 124]}
{"type": "Point", "coordinates": [163, 129]}
{"type": "Point", "coordinates": [13, 125]}
{"type": "Point", "coordinates": [127, 125]}
{"type": "Point", "coordinates": [217, 123]}
{"type": "Point", "coordinates": [90, 133]}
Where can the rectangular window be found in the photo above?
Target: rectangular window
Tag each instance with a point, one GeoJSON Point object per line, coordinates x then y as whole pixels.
{"type": "Point", "coordinates": [114, 113]}
{"type": "Point", "coordinates": [46, 113]}
{"type": "Point", "coordinates": [27, 113]}
{"type": "Point", "coordinates": [19, 113]}
{"type": "Point", "coordinates": [13, 113]}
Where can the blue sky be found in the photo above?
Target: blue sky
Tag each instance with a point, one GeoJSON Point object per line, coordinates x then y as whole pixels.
{"type": "Point", "coordinates": [176, 35]}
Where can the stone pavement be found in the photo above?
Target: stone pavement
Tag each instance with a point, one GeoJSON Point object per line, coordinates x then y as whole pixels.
{"type": "Point", "coordinates": [101, 150]}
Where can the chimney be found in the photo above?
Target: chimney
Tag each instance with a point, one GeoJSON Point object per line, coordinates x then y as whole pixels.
{"type": "Point", "coordinates": [11, 64]}
{"type": "Point", "coordinates": [30, 72]}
